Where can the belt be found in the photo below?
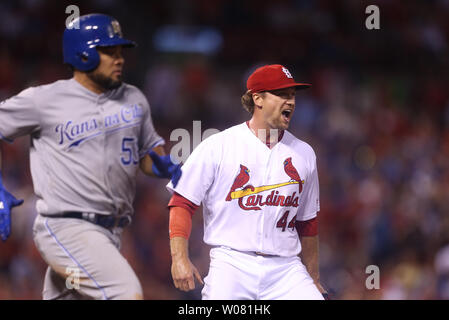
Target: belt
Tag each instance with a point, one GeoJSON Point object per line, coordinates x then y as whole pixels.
{"type": "Point", "coordinates": [264, 254]}
{"type": "Point", "coordinates": [258, 253]}
{"type": "Point", "coordinates": [106, 221]}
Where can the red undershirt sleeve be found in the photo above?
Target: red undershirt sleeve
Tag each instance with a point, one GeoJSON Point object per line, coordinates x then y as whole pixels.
{"type": "Point", "coordinates": [308, 228]}
{"type": "Point", "coordinates": [181, 212]}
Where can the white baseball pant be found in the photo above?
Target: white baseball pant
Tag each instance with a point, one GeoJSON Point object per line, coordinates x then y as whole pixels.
{"type": "Point", "coordinates": [236, 275]}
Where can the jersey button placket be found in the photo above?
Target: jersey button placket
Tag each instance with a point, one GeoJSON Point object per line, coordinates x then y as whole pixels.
{"type": "Point", "coordinates": [270, 165]}
{"type": "Point", "coordinates": [265, 162]}
{"type": "Point", "coordinates": [102, 141]}
{"type": "Point", "coordinates": [107, 168]}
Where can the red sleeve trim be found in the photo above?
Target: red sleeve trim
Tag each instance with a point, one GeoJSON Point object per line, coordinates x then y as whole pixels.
{"type": "Point", "coordinates": [308, 228]}
{"type": "Point", "coordinates": [179, 201]}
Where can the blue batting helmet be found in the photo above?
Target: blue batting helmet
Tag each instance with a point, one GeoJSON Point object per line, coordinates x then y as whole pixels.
{"type": "Point", "coordinates": [95, 30]}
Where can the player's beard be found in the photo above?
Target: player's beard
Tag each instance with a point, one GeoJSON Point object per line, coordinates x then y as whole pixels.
{"type": "Point", "coordinates": [103, 81]}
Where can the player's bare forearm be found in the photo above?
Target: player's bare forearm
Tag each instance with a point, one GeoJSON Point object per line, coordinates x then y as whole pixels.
{"type": "Point", "coordinates": [183, 271]}
{"type": "Point", "coordinates": [179, 247]}
{"type": "Point", "coordinates": [310, 258]}
{"type": "Point", "coordinates": [146, 163]}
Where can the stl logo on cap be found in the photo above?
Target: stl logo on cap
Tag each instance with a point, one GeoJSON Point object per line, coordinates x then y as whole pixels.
{"type": "Point", "coordinates": [272, 77]}
{"type": "Point", "coordinates": [287, 73]}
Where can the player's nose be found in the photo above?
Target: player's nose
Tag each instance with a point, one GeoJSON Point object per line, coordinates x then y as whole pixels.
{"type": "Point", "coordinates": [291, 99]}
{"type": "Point", "coordinates": [119, 60]}
{"type": "Point", "coordinates": [118, 57]}
{"type": "Point", "coordinates": [290, 102]}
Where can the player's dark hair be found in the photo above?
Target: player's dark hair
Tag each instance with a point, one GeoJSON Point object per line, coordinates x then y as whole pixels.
{"type": "Point", "coordinates": [248, 102]}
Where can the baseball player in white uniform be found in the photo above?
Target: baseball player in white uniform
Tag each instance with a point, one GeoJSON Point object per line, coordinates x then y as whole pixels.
{"type": "Point", "coordinates": [258, 185]}
{"type": "Point", "coordinates": [89, 136]}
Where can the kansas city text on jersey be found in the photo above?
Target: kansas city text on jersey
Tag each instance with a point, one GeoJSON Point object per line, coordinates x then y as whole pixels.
{"type": "Point", "coordinates": [128, 115]}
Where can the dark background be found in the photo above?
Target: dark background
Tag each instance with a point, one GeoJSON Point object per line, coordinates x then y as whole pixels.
{"type": "Point", "coordinates": [377, 116]}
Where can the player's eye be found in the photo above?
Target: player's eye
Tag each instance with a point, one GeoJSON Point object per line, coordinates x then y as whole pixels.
{"type": "Point", "coordinates": [109, 51]}
{"type": "Point", "coordinates": [284, 94]}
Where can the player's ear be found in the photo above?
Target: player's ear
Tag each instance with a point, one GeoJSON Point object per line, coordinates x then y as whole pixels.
{"type": "Point", "coordinates": [258, 99]}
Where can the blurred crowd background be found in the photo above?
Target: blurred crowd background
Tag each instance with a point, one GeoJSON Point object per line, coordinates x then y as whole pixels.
{"type": "Point", "coordinates": [377, 116]}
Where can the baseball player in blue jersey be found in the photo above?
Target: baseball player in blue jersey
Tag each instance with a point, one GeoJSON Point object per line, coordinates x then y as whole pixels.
{"type": "Point", "coordinates": [89, 136]}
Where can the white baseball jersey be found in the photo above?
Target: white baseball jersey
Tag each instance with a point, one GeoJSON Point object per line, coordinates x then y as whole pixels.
{"type": "Point", "coordinates": [251, 194]}
{"type": "Point", "coordinates": [85, 147]}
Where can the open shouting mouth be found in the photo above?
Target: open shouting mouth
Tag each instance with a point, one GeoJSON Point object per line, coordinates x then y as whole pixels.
{"type": "Point", "coordinates": [286, 114]}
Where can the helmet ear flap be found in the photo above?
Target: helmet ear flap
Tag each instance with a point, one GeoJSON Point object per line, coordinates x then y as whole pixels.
{"type": "Point", "coordinates": [84, 56]}
{"type": "Point", "coordinates": [89, 59]}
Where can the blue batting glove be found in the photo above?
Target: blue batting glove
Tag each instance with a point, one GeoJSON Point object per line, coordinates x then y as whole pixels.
{"type": "Point", "coordinates": [163, 167]}
{"type": "Point", "coordinates": [7, 202]}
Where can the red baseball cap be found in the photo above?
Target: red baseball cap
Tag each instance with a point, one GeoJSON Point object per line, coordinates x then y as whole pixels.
{"type": "Point", "coordinates": [272, 77]}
